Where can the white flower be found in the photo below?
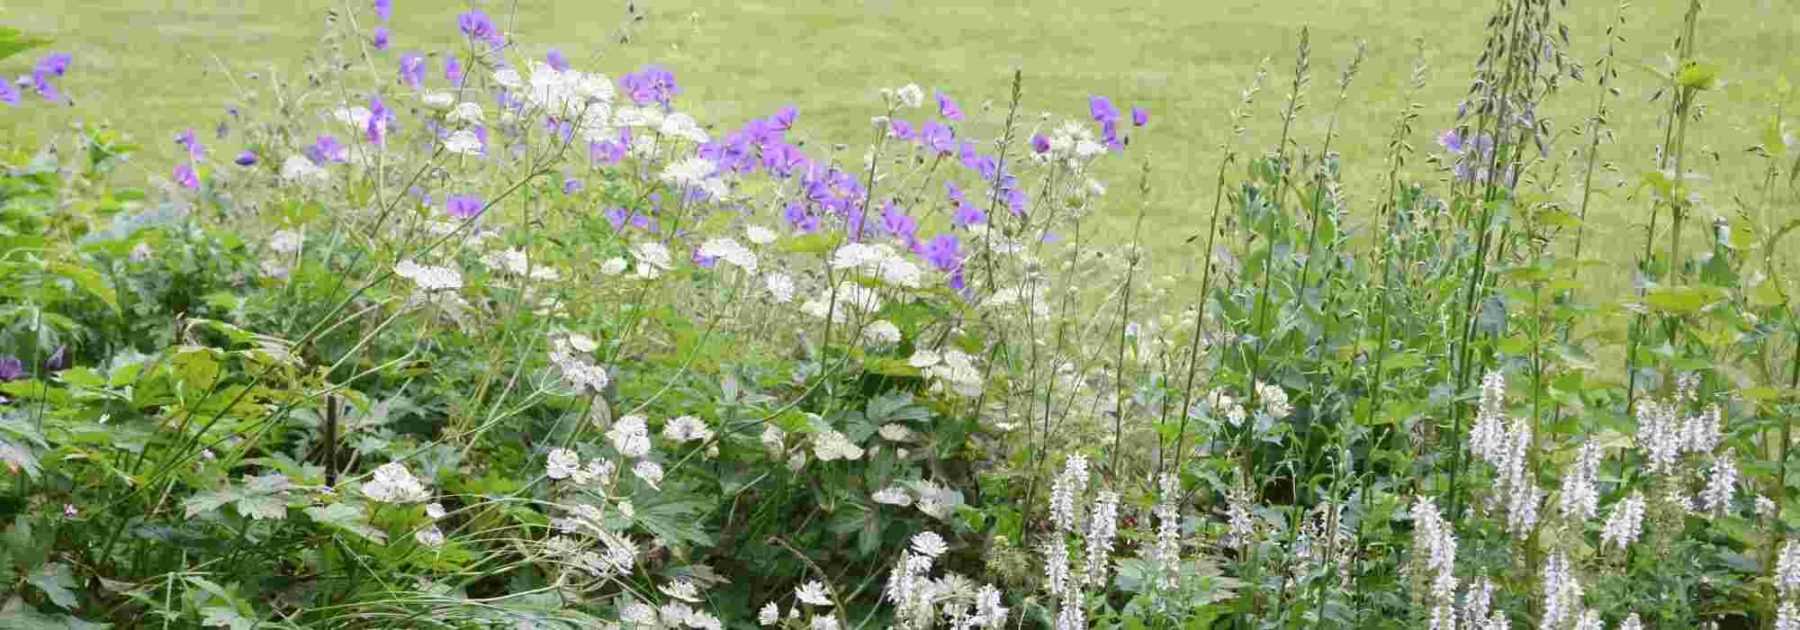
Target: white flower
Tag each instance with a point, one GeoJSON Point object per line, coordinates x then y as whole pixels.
{"type": "Point", "coordinates": [1579, 497]}
{"type": "Point", "coordinates": [892, 495]}
{"type": "Point", "coordinates": [515, 262]}
{"type": "Point", "coordinates": [509, 78]}
{"type": "Point", "coordinates": [686, 429]}
{"type": "Point", "coordinates": [1625, 522]}
{"type": "Point", "coordinates": [429, 278]}
{"type": "Point", "coordinates": [910, 95]}
{"type": "Point", "coordinates": [1721, 485]}
{"type": "Point", "coordinates": [1562, 593]}
{"type": "Point", "coordinates": [630, 436]}
{"type": "Point", "coordinates": [881, 333]}
{"type": "Point", "coordinates": [923, 358]}
{"type": "Point", "coordinates": [812, 593]}
{"type": "Point", "coordinates": [649, 471]}
{"type": "Point", "coordinates": [773, 438]}
{"type": "Point", "coordinates": [694, 172]}
{"type": "Point", "coordinates": [435, 510]}
{"type": "Point", "coordinates": [652, 259]}
{"type": "Point", "coordinates": [1056, 566]}
{"type": "Point", "coordinates": [895, 432]}
{"type": "Point", "coordinates": [438, 100]}
{"type": "Point", "coordinates": [759, 235]}
{"type": "Point", "coordinates": [463, 142]}
{"type": "Point", "coordinates": [393, 483]}
{"type": "Point", "coordinates": [1765, 508]}
{"type": "Point", "coordinates": [1103, 526]}
{"type": "Point", "coordinates": [879, 261]}
{"type": "Point", "coordinates": [430, 537]}
{"type": "Point", "coordinates": [832, 445]}
{"type": "Point", "coordinates": [958, 372]}
{"type": "Point", "coordinates": [638, 613]}
{"type": "Point", "coordinates": [769, 615]}
{"type": "Point", "coordinates": [1274, 400]}
{"type": "Point", "coordinates": [1787, 568]}
{"type": "Point", "coordinates": [286, 241]}
{"type": "Point", "coordinates": [729, 251]}
{"type": "Point", "coordinates": [681, 589]}
{"type": "Point", "coordinates": [929, 544]}
{"type": "Point", "coordinates": [300, 170]}
{"type": "Point", "coordinates": [466, 113]}
{"type": "Point", "coordinates": [613, 266]}
{"type": "Point", "coordinates": [578, 371]}
{"type": "Point", "coordinates": [780, 286]}
{"type": "Point", "coordinates": [682, 126]}
{"type": "Point", "coordinates": [1063, 492]}
{"type": "Point", "coordinates": [562, 464]}
{"type": "Point", "coordinates": [354, 116]}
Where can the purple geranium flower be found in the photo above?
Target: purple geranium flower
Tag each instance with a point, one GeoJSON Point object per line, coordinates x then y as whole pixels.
{"type": "Point", "coordinates": [186, 177]}
{"type": "Point", "coordinates": [381, 37]}
{"type": "Point", "coordinates": [1139, 116]}
{"type": "Point", "coordinates": [902, 130]}
{"type": "Point", "coordinates": [463, 207]}
{"type": "Point", "coordinates": [1451, 140]}
{"type": "Point", "coordinates": [8, 93]}
{"type": "Point", "coordinates": [384, 10]}
{"type": "Point", "coordinates": [379, 119]}
{"type": "Point", "coordinates": [188, 140]}
{"type": "Point", "coordinates": [898, 223]}
{"type": "Point", "coordinates": [610, 151]}
{"type": "Point", "coordinates": [1040, 143]}
{"type": "Point", "coordinates": [47, 67]}
{"type": "Point", "coordinates": [412, 70]}
{"type": "Point", "coordinates": [556, 60]}
{"type": "Point", "coordinates": [453, 70]}
{"type": "Point", "coordinates": [571, 185]}
{"type": "Point", "coordinates": [783, 119]}
{"type": "Point", "coordinates": [58, 361]}
{"type": "Point", "coordinates": [937, 137]}
{"type": "Point", "coordinates": [11, 369]}
{"type": "Point", "coordinates": [1102, 109]}
{"type": "Point", "coordinates": [967, 215]}
{"type": "Point", "coordinates": [947, 107]}
{"type": "Point", "coordinates": [943, 251]}
{"type": "Point", "coordinates": [479, 27]}
{"type": "Point", "coordinates": [247, 158]}
{"type": "Point", "coordinates": [650, 84]}
{"type": "Point", "coordinates": [327, 149]}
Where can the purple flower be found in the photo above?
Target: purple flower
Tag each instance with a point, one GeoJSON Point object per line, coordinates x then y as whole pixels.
{"type": "Point", "coordinates": [58, 361]}
{"type": "Point", "coordinates": [1040, 143]}
{"type": "Point", "coordinates": [379, 119]}
{"type": "Point", "coordinates": [11, 369]}
{"type": "Point", "coordinates": [453, 70]}
{"type": "Point", "coordinates": [967, 215]}
{"type": "Point", "coordinates": [783, 119]}
{"type": "Point", "coordinates": [247, 158]}
{"type": "Point", "coordinates": [47, 67]}
{"type": "Point", "coordinates": [902, 130]}
{"type": "Point", "coordinates": [327, 149]}
{"type": "Point", "coordinates": [463, 207]}
{"type": "Point", "coordinates": [384, 10]}
{"type": "Point", "coordinates": [1451, 140]}
{"type": "Point", "coordinates": [1139, 116]}
{"type": "Point", "coordinates": [571, 185]}
{"type": "Point", "coordinates": [782, 159]}
{"type": "Point", "coordinates": [185, 175]}
{"type": "Point", "coordinates": [8, 93]}
{"type": "Point", "coordinates": [947, 108]}
{"type": "Point", "coordinates": [609, 151]}
{"type": "Point", "coordinates": [937, 137]}
{"type": "Point", "coordinates": [381, 37]}
{"type": "Point", "coordinates": [943, 251]}
{"type": "Point", "coordinates": [191, 142]}
{"type": "Point", "coordinates": [650, 84]}
{"type": "Point", "coordinates": [479, 27]}
{"type": "Point", "coordinates": [556, 60]}
{"type": "Point", "coordinates": [1102, 109]}
{"type": "Point", "coordinates": [898, 223]}
{"type": "Point", "coordinates": [1109, 133]}
{"type": "Point", "coordinates": [802, 221]}
{"type": "Point", "coordinates": [412, 70]}
{"type": "Point", "coordinates": [955, 193]}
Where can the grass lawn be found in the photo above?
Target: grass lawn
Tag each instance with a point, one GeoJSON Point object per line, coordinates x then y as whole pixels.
{"type": "Point", "coordinates": [155, 66]}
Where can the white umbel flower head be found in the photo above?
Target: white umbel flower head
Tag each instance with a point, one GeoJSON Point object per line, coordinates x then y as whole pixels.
{"type": "Point", "coordinates": [650, 472]}
{"type": "Point", "coordinates": [759, 235]}
{"type": "Point", "coordinates": [428, 277]}
{"type": "Point", "coordinates": [652, 259]}
{"type": "Point", "coordinates": [929, 544]}
{"type": "Point", "coordinates": [393, 483]}
{"type": "Point", "coordinates": [630, 436]}
{"type": "Point", "coordinates": [881, 333]}
{"type": "Point", "coordinates": [812, 593]}
{"type": "Point", "coordinates": [910, 95]}
{"type": "Point", "coordinates": [769, 615]}
{"type": "Point", "coordinates": [730, 252]}
{"type": "Point", "coordinates": [686, 429]}
{"type": "Point", "coordinates": [463, 142]}
{"type": "Point", "coordinates": [780, 287]}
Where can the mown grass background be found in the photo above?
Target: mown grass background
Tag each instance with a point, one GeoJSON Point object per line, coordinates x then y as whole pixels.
{"type": "Point", "coordinates": [152, 67]}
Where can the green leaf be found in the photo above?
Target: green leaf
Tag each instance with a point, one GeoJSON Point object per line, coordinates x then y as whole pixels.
{"type": "Point", "coordinates": [1682, 300]}
{"type": "Point", "coordinates": [57, 584]}
{"type": "Point", "coordinates": [14, 41]}
{"type": "Point", "coordinates": [346, 517]}
{"type": "Point", "coordinates": [198, 368]}
{"type": "Point", "coordinates": [1699, 76]}
{"type": "Point", "coordinates": [223, 617]}
{"type": "Point", "coordinates": [263, 507]}
{"type": "Point", "coordinates": [208, 502]}
{"type": "Point", "coordinates": [90, 281]}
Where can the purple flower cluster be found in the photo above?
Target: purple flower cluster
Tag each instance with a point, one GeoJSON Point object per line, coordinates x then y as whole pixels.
{"type": "Point", "coordinates": [1104, 112]}
{"type": "Point", "coordinates": [1470, 155]}
{"type": "Point", "coordinates": [650, 84]}
{"type": "Point", "coordinates": [384, 11]}
{"type": "Point", "coordinates": [326, 149]}
{"type": "Point", "coordinates": [477, 26]}
{"type": "Point", "coordinates": [463, 207]}
{"type": "Point", "coordinates": [759, 144]}
{"type": "Point", "coordinates": [48, 67]}
{"type": "Point", "coordinates": [380, 118]}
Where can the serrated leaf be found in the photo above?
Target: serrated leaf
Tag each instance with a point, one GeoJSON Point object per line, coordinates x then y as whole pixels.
{"type": "Point", "coordinates": [208, 502]}
{"type": "Point", "coordinates": [223, 617]}
{"type": "Point", "coordinates": [57, 584]}
{"type": "Point", "coordinates": [348, 518]}
{"type": "Point", "coordinates": [263, 507]}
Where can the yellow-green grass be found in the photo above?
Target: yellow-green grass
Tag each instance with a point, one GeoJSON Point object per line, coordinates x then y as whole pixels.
{"type": "Point", "coordinates": [152, 67]}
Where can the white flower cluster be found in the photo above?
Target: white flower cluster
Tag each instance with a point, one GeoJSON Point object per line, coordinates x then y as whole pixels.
{"type": "Point", "coordinates": [1787, 584]}
{"type": "Point", "coordinates": [515, 262]}
{"type": "Point", "coordinates": [1274, 400]}
{"type": "Point", "coordinates": [1434, 540]}
{"type": "Point", "coordinates": [568, 95]}
{"type": "Point", "coordinates": [730, 252]}
{"type": "Point", "coordinates": [286, 241]}
{"type": "Point", "coordinates": [1625, 522]}
{"type": "Point", "coordinates": [652, 259]}
{"type": "Point", "coordinates": [393, 483]}
{"type": "Point", "coordinates": [879, 261]}
{"type": "Point", "coordinates": [569, 352]}
{"type": "Point", "coordinates": [1562, 593]}
{"type": "Point", "coordinates": [1074, 142]}
{"type": "Point", "coordinates": [697, 173]}
{"type": "Point", "coordinates": [953, 370]}
{"type": "Point", "coordinates": [849, 297]}
{"type": "Point", "coordinates": [563, 464]}
{"type": "Point", "coordinates": [1579, 497]}
{"type": "Point", "coordinates": [429, 278]}
{"type": "Point", "coordinates": [1507, 450]}
{"type": "Point", "coordinates": [1167, 552]}
{"type": "Point", "coordinates": [1103, 526]}
{"type": "Point", "coordinates": [1221, 403]}
{"type": "Point", "coordinates": [684, 429]}
{"type": "Point", "coordinates": [951, 601]}
{"type": "Point", "coordinates": [881, 333]}
{"type": "Point", "coordinates": [1664, 437]}
{"type": "Point", "coordinates": [832, 445]}
{"type": "Point", "coordinates": [1721, 485]}
{"type": "Point", "coordinates": [1065, 490]}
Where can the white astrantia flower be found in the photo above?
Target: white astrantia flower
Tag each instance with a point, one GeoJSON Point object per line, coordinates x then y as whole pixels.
{"type": "Point", "coordinates": [509, 78]}
{"type": "Point", "coordinates": [393, 483]}
{"type": "Point", "coordinates": [879, 261]}
{"type": "Point", "coordinates": [286, 241]}
{"type": "Point", "coordinates": [895, 432]}
{"type": "Point", "coordinates": [515, 262]}
{"type": "Point", "coordinates": [613, 266]}
{"type": "Point", "coordinates": [638, 613]}
{"type": "Point", "coordinates": [773, 438]}
{"type": "Point", "coordinates": [929, 544]}
{"type": "Point", "coordinates": [812, 593]}
{"type": "Point", "coordinates": [686, 429]}
{"type": "Point", "coordinates": [892, 495]}
{"type": "Point", "coordinates": [463, 142]}
{"type": "Point", "coordinates": [298, 169]}
{"type": "Point", "coordinates": [681, 589]}
{"type": "Point", "coordinates": [780, 287]}
{"type": "Point", "coordinates": [769, 615]}
{"type": "Point", "coordinates": [1274, 400]}
{"type": "Point", "coordinates": [630, 436]}
{"type": "Point", "coordinates": [957, 371]}
{"type": "Point", "coordinates": [910, 95]}
{"type": "Point", "coordinates": [466, 114]}
{"type": "Point", "coordinates": [881, 333]}
{"type": "Point", "coordinates": [731, 252]}
{"type": "Point", "coordinates": [936, 500]}
{"type": "Point", "coordinates": [562, 464]}
{"type": "Point", "coordinates": [435, 511]}
{"type": "Point", "coordinates": [431, 537]}
{"type": "Point", "coordinates": [649, 471]}
{"type": "Point", "coordinates": [429, 278]}
{"type": "Point", "coordinates": [832, 446]}
{"type": "Point", "coordinates": [759, 235]}
{"type": "Point", "coordinates": [652, 259]}
{"type": "Point", "coordinates": [438, 100]}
